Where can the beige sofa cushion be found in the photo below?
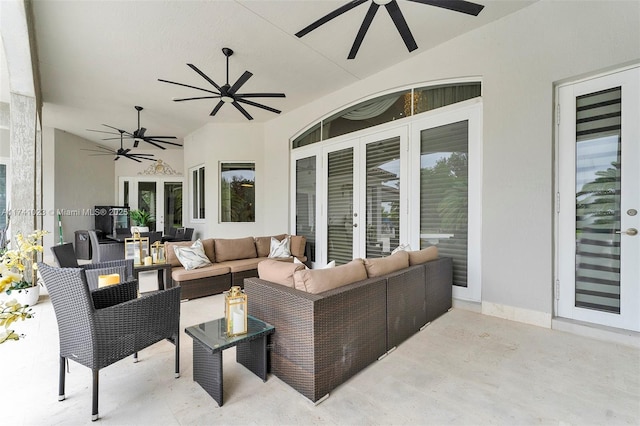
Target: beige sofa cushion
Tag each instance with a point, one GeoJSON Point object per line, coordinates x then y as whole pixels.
{"type": "Point", "coordinates": [235, 248]}
{"type": "Point", "coordinates": [421, 256]}
{"type": "Point", "coordinates": [263, 244]}
{"type": "Point", "coordinates": [170, 254]}
{"type": "Point", "coordinates": [297, 245]}
{"type": "Point", "coordinates": [180, 274]}
{"type": "Point", "coordinates": [240, 265]}
{"type": "Point", "coordinates": [386, 265]}
{"type": "Point", "coordinates": [318, 280]}
{"type": "Point", "coordinates": [278, 272]}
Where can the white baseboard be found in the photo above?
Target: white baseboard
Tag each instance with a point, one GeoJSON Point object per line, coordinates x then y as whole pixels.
{"type": "Point", "coordinates": [527, 316]}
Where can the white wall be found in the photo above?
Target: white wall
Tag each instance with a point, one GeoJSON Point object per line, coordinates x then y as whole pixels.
{"type": "Point", "coordinates": [73, 183]}
{"type": "Point", "coordinates": [217, 143]}
{"type": "Point", "coordinates": [519, 58]}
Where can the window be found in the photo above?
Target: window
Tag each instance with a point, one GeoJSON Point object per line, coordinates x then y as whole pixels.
{"type": "Point", "coordinates": [237, 192]}
{"type": "Point", "coordinates": [197, 193]}
{"type": "Point", "coordinates": [386, 108]}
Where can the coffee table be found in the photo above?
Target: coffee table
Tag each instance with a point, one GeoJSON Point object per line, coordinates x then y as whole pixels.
{"type": "Point", "coordinates": [210, 339]}
{"type": "Point", "coordinates": [164, 273]}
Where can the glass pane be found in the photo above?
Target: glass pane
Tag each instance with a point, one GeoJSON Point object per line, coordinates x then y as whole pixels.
{"type": "Point", "coordinates": [147, 200]}
{"type": "Point", "coordinates": [125, 194]}
{"type": "Point", "coordinates": [428, 98]}
{"type": "Point", "coordinates": [598, 164]}
{"type": "Point", "coordinates": [367, 114]}
{"type": "Point", "coordinates": [307, 138]}
{"type": "Point", "coordinates": [306, 202]}
{"type": "Point", "coordinates": [340, 206]}
{"type": "Point", "coordinates": [172, 206]}
{"type": "Point", "coordinates": [383, 197]}
{"type": "Point", "coordinates": [444, 194]}
{"type": "Point", "coordinates": [237, 192]}
{"type": "Point", "coordinates": [201, 193]}
{"type": "Point", "coordinates": [194, 194]}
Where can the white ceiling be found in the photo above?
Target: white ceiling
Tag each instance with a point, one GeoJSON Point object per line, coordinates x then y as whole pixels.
{"type": "Point", "coordinates": [98, 59]}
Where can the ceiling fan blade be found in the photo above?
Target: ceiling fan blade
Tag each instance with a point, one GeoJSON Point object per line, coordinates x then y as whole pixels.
{"type": "Point", "coordinates": [192, 99]}
{"type": "Point", "coordinates": [160, 137]}
{"type": "Point", "coordinates": [217, 108]}
{"type": "Point", "coordinates": [339, 11]}
{"type": "Point", "coordinates": [132, 158]}
{"type": "Point", "coordinates": [259, 95]}
{"type": "Point", "coordinates": [203, 75]}
{"type": "Point", "coordinates": [191, 87]}
{"type": "Point", "coordinates": [242, 110]}
{"type": "Point", "coordinates": [140, 132]}
{"type": "Point", "coordinates": [125, 151]}
{"type": "Point", "coordinates": [461, 6]}
{"type": "Point", "coordinates": [242, 80]}
{"type": "Point", "coordinates": [363, 29]}
{"type": "Point", "coordinates": [103, 131]}
{"type": "Point", "coordinates": [148, 139]}
{"type": "Point", "coordinates": [117, 158]}
{"type": "Point", "coordinates": [100, 149]}
{"type": "Point", "coordinates": [401, 25]}
{"type": "Point", "coordinates": [119, 130]}
{"type": "Point", "coordinates": [259, 105]}
{"type": "Point", "coordinates": [136, 143]}
{"type": "Point", "coordinates": [153, 143]}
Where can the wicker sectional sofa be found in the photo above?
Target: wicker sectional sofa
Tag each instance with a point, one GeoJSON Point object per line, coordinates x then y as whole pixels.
{"type": "Point", "coordinates": [323, 339]}
{"type": "Point", "coordinates": [232, 261]}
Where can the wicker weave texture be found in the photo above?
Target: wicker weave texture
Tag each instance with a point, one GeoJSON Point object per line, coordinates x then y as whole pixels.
{"type": "Point", "coordinates": [321, 340]}
{"type": "Point", "coordinates": [406, 304]}
{"type": "Point", "coordinates": [439, 282]}
{"type": "Point", "coordinates": [202, 287]}
{"type": "Point", "coordinates": [101, 327]}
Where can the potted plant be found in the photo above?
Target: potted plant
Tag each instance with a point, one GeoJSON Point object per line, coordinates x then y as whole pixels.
{"type": "Point", "coordinates": [140, 217]}
{"type": "Point", "coordinates": [19, 270]}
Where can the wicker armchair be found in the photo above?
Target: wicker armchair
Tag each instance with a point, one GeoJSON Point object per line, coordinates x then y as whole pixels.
{"type": "Point", "coordinates": [105, 252]}
{"type": "Point", "coordinates": [98, 328]}
{"type": "Point", "coordinates": [65, 255]}
{"type": "Point", "coordinates": [93, 271]}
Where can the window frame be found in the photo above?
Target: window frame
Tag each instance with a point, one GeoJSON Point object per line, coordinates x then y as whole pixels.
{"type": "Point", "coordinates": [221, 164]}
{"type": "Point", "coordinates": [197, 207]}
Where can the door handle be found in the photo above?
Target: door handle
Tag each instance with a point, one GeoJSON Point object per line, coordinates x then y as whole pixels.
{"type": "Point", "coordinates": [630, 231]}
{"type": "Point", "coordinates": [355, 225]}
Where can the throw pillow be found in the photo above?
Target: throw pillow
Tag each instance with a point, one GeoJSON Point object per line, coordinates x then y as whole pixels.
{"type": "Point", "coordinates": [299, 262]}
{"type": "Point", "coordinates": [280, 248]}
{"type": "Point", "coordinates": [401, 247]}
{"type": "Point", "coordinates": [192, 257]}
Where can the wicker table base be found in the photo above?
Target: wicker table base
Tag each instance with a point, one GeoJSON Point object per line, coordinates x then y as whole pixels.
{"type": "Point", "coordinates": [209, 340]}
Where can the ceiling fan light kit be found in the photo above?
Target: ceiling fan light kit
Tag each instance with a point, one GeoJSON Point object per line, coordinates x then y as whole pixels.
{"type": "Point", "coordinates": [227, 94]}
{"type": "Point", "coordinates": [396, 15]}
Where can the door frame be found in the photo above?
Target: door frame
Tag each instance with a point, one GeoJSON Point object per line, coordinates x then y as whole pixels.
{"type": "Point", "coordinates": [133, 193]}
{"type": "Point", "coordinates": [564, 276]}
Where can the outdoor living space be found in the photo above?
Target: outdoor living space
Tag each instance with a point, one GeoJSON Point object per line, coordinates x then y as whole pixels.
{"type": "Point", "coordinates": [501, 135]}
{"type": "Point", "coordinates": [465, 368]}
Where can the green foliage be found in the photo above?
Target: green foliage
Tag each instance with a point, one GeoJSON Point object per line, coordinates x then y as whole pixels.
{"type": "Point", "coordinates": [140, 217]}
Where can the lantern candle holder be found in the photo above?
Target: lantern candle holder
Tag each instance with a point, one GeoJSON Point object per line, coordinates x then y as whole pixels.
{"type": "Point", "coordinates": [235, 311]}
{"type": "Point", "coordinates": [136, 248]}
{"type": "Point", "coordinates": [157, 252]}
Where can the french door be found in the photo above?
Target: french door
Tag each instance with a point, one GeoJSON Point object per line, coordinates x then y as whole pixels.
{"type": "Point", "coordinates": [161, 197]}
{"type": "Point", "coordinates": [598, 266]}
{"type": "Point", "coordinates": [418, 184]}
{"type": "Point", "coordinates": [365, 201]}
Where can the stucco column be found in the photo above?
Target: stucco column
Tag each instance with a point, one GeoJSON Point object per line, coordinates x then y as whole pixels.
{"type": "Point", "coordinates": [23, 147]}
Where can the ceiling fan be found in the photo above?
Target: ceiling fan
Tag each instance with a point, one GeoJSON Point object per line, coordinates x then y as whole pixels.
{"type": "Point", "coordinates": [396, 16]}
{"type": "Point", "coordinates": [138, 134]}
{"type": "Point", "coordinates": [228, 93]}
{"type": "Point", "coordinates": [120, 152]}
